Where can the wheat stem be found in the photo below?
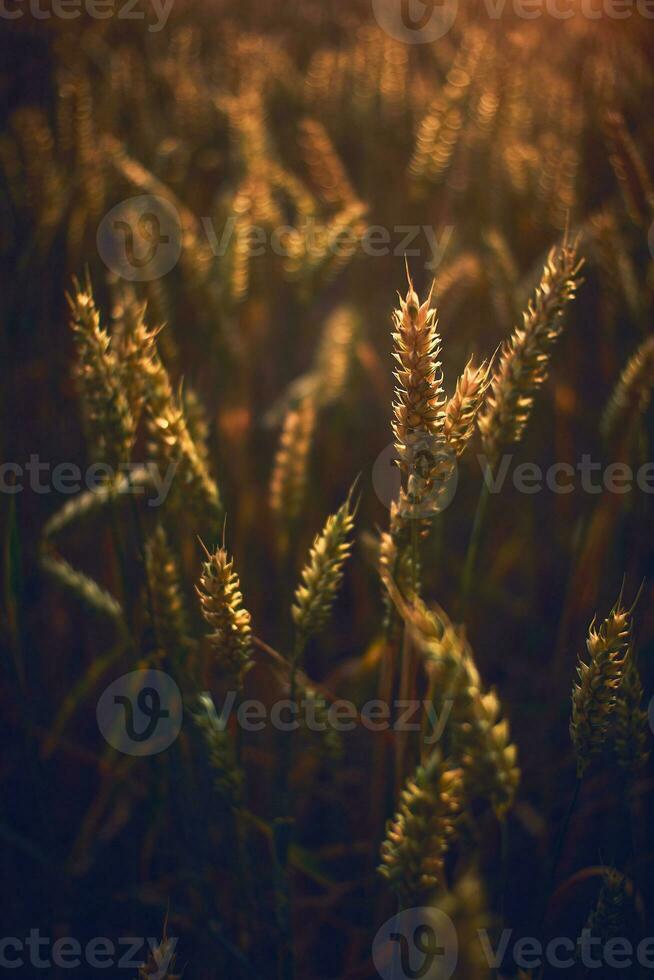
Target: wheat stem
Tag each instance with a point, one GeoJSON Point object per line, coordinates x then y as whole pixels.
{"type": "Point", "coordinates": [474, 544]}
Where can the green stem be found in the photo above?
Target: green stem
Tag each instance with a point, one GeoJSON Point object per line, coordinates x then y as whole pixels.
{"type": "Point", "coordinates": [558, 850]}
{"type": "Point", "coordinates": [283, 836]}
{"type": "Point", "coordinates": [475, 543]}
{"type": "Point", "coordinates": [407, 668]}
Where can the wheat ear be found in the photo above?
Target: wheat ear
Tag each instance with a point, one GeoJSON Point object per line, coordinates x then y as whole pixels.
{"type": "Point", "coordinates": [322, 575]}
{"type": "Point", "coordinates": [478, 737]}
{"type": "Point", "coordinates": [594, 694]}
{"type": "Point", "coordinates": [524, 362]}
{"type": "Point", "coordinates": [221, 603]}
{"type": "Point", "coordinates": [465, 404]}
{"type": "Point", "coordinates": [418, 408]}
{"type": "Point", "coordinates": [109, 423]}
{"type": "Point", "coordinates": [418, 836]}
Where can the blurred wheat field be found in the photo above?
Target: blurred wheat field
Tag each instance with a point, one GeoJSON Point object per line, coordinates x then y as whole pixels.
{"type": "Point", "coordinates": [297, 293]}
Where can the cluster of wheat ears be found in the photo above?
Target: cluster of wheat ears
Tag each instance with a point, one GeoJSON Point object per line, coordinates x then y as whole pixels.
{"type": "Point", "coordinates": [183, 585]}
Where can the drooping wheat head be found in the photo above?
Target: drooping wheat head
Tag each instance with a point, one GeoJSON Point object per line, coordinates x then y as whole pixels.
{"type": "Point", "coordinates": [478, 738]}
{"type": "Point", "coordinates": [524, 362]}
{"type": "Point", "coordinates": [418, 836]}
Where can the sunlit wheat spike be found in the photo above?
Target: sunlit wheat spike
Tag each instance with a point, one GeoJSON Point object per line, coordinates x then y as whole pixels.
{"type": "Point", "coordinates": [136, 349]}
{"type": "Point", "coordinates": [289, 476]}
{"type": "Point", "coordinates": [108, 420]}
{"type": "Point", "coordinates": [228, 775]}
{"type": "Point", "coordinates": [418, 836]}
{"type": "Point", "coordinates": [630, 733]}
{"type": "Point", "coordinates": [172, 442]}
{"type": "Point", "coordinates": [465, 404]}
{"type": "Point", "coordinates": [419, 396]}
{"type": "Point", "coordinates": [524, 362]}
{"type": "Point", "coordinates": [631, 396]}
{"type": "Point", "coordinates": [322, 575]}
{"type": "Point", "coordinates": [418, 408]}
{"type": "Point", "coordinates": [594, 693]}
{"type": "Point", "coordinates": [170, 625]}
{"type": "Point", "coordinates": [221, 602]}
